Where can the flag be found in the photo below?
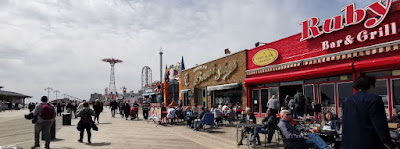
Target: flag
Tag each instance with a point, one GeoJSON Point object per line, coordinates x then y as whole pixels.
{"type": "Point", "coordinates": [166, 73]}
{"type": "Point", "coordinates": [182, 66]}
{"type": "Point", "coordinates": [166, 85]}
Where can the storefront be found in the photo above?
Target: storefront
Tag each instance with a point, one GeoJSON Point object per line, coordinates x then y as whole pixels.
{"type": "Point", "coordinates": [324, 60]}
{"type": "Point", "coordinates": [218, 81]}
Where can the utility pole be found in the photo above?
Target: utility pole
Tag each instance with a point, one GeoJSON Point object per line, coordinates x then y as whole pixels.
{"type": "Point", "coordinates": [48, 89]}
{"type": "Point", "coordinates": [56, 91]}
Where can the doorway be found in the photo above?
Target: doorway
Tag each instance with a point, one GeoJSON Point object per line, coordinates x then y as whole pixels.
{"type": "Point", "coordinates": [288, 90]}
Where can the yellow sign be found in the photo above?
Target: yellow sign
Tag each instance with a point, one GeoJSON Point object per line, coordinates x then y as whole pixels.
{"type": "Point", "coordinates": [396, 73]}
{"type": "Point", "coordinates": [265, 57]}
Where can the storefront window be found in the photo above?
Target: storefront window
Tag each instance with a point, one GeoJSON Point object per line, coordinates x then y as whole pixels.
{"type": "Point", "coordinates": [309, 95]}
{"type": "Point", "coordinates": [396, 93]}
{"type": "Point", "coordinates": [327, 92]}
{"type": "Point", "coordinates": [309, 92]}
{"type": "Point", "coordinates": [382, 90]}
{"type": "Point", "coordinates": [227, 96]}
{"type": "Point", "coordinates": [186, 99]}
{"type": "Point", "coordinates": [344, 90]}
{"type": "Point", "coordinates": [273, 91]}
{"type": "Point", "coordinates": [264, 100]}
{"type": "Point", "coordinates": [255, 100]}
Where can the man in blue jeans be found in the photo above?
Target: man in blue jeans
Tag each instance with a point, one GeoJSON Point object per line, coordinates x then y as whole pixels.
{"type": "Point", "coordinates": [268, 128]}
{"type": "Point", "coordinates": [290, 131]}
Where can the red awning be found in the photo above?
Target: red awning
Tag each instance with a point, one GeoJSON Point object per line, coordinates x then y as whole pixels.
{"type": "Point", "coordinates": [373, 64]}
{"type": "Point", "coordinates": [303, 74]}
{"type": "Point", "coordinates": [379, 63]}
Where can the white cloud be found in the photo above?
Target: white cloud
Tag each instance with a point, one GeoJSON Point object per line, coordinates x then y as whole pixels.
{"type": "Point", "coordinates": [60, 43]}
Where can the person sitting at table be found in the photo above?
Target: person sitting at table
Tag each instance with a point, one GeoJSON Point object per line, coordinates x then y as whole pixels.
{"type": "Point", "coordinates": [291, 118]}
{"type": "Point", "coordinates": [225, 108]}
{"type": "Point", "coordinates": [330, 124]}
{"type": "Point", "coordinates": [195, 110]}
{"type": "Point", "coordinates": [246, 119]}
{"type": "Point", "coordinates": [238, 110]}
{"type": "Point", "coordinates": [217, 116]}
{"type": "Point", "coordinates": [329, 127]}
{"type": "Point", "coordinates": [268, 128]}
{"type": "Point", "coordinates": [396, 117]}
{"type": "Point", "coordinates": [171, 113]}
{"type": "Point", "coordinates": [230, 115]}
{"type": "Point", "coordinates": [197, 122]}
{"type": "Point", "coordinates": [290, 131]}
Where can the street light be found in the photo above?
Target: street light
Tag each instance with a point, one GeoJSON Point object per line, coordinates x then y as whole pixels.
{"type": "Point", "coordinates": [56, 91]}
{"type": "Point", "coordinates": [48, 89]}
{"type": "Point", "coordinates": [258, 43]}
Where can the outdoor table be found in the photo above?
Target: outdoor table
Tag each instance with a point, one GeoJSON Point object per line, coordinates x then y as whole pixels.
{"type": "Point", "coordinates": [336, 136]}
{"type": "Point", "coordinates": [305, 122]}
{"type": "Point", "coordinates": [243, 126]}
{"type": "Point", "coordinates": [192, 117]}
{"type": "Point", "coordinates": [393, 125]}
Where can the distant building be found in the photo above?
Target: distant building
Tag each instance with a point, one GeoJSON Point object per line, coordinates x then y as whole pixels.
{"type": "Point", "coordinates": [13, 97]}
{"type": "Point", "coordinates": [95, 96]}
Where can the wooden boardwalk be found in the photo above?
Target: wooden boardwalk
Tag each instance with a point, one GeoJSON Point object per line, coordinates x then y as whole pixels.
{"type": "Point", "coordinates": [118, 133]}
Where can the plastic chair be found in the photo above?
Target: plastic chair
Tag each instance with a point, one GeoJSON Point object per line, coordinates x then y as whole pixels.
{"type": "Point", "coordinates": [208, 119]}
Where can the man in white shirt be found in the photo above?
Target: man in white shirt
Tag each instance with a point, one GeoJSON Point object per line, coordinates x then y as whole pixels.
{"type": "Point", "coordinates": [273, 104]}
{"type": "Point", "coordinates": [171, 114]}
{"type": "Point", "coordinates": [224, 108]}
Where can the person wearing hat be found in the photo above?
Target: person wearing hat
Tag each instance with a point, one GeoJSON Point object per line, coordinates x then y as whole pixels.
{"type": "Point", "coordinates": [98, 108]}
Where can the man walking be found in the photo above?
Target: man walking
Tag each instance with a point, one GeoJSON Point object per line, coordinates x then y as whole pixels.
{"type": "Point", "coordinates": [145, 108]}
{"type": "Point", "coordinates": [274, 105]}
{"type": "Point", "coordinates": [45, 113]}
{"type": "Point", "coordinates": [98, 108]}
{"type": "Point", "coordinates": [113, 106]}
{"type": "Point", "coordinates": [364, 118]}
{"type": "Point", "coordinates": [299, 104]}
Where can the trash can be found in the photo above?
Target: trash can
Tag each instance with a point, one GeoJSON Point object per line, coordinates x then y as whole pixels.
{"type": "Point", "coordinates": [52, 131]}
{"type": "Point", "coordinates": [67, 119]}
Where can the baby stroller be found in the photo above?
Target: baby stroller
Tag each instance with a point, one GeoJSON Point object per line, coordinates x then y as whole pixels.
{"type": "Point", "coordinates": [134, 112]}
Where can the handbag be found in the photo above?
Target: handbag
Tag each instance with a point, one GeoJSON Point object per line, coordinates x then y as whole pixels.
{"type": "Point", "coordinates": [31, 117]}
{"type": "Point", "coordinates": [79, 126]}
{"type": "Point", "coordinates": [34, 119]}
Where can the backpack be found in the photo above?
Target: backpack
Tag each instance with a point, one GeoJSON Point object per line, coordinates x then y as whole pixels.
{"type": "Point", "coordinates": [47, 112]}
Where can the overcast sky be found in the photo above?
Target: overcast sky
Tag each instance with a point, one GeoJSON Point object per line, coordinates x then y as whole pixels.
{"type": "Point", "coordinates": [60, 43]}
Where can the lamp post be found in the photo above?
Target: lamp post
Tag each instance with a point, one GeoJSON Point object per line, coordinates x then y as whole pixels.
{"type": "Point", "coordinates": [48, 89]}
{"type": "Point", "coordinates": [258, 43]}
{"type": "Point", "coordinates": [56, 91]}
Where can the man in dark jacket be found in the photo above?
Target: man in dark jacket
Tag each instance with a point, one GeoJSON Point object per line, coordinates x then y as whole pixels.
{"type": "Point", "coordinates": [269, 124]}
{"type": "Point", "coordinates": [98, 108]}
{"type": "Point", "coordinates": [113, 106]}
{"type": "Point", "coordinates": [145, 108]}
{"type": "Point", "coordinates": [364, 118]}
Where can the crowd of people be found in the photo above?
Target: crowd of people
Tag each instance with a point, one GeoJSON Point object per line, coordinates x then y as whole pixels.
{"type": "Point", "coordinates": [363, 124]}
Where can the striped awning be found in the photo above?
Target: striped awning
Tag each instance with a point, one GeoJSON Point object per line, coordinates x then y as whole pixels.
{"type": "Point", "coordinates": [359, 52]}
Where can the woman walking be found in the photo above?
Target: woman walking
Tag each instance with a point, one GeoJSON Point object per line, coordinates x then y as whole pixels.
{"type": "Point", "coordinates": [86, 121]}
{"type": "Point", "coordinates": [127, 109]}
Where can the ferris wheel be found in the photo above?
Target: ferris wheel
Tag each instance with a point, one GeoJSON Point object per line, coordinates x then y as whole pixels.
{"type": "Point", "coordinates": [146, 77]}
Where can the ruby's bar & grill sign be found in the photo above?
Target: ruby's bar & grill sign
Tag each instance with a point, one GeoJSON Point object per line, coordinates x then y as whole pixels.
{"type": "Point", "coordinates": [351, 16]}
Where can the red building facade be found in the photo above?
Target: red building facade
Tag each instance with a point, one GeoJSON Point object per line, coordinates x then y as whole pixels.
{"type": "Point", "coordinates": [323, 61]}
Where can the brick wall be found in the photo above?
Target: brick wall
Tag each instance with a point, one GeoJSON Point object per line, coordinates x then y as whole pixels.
{"type": "Point", "coordinates": [236, 76]}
